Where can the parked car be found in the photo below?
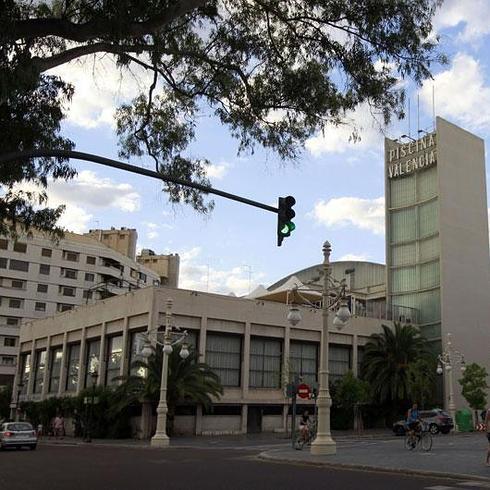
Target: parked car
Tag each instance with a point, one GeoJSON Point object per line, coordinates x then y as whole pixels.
{"type": "Point", "coordinates": [437, 420]}
{"type": "Point", "coordinates": [17, 434]}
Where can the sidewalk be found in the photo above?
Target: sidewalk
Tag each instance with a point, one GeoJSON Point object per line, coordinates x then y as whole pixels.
{"type": "Point", "coordinates": [452, 456]}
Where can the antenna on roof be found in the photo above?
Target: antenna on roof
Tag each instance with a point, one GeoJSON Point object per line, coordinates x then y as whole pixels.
{"type": "Point", "coordinates": [418, 114]}
{"type": "Point", "coordinates": [409, 132]}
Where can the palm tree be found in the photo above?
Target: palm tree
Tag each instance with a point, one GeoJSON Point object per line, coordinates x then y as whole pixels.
{"type": "Point", "coordinates": [387, 359]}
{"type": "Point", "coordinates": [189, 381]}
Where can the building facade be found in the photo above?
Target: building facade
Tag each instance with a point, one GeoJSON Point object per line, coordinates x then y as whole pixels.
{"type": "Point", "coordinates": [166, 266]}
{"type": "Point", "coordinates": [437, 247]}
{"type": "Point", "coordinates": [247, 342]}
{"type": "Point", "coordinates": [40, 278]}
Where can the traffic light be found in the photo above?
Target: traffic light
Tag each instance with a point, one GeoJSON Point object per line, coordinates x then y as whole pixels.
{"type": "Point", "coordinates": [284, 216]}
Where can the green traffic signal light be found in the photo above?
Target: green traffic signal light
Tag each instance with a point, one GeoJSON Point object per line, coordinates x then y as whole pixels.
{"type": "Point", "coordinates": [285, 214]}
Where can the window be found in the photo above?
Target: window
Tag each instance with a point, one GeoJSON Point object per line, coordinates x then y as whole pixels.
{"type": "Point", "coordinates": [3, 263]}
{"type": "Point", "coordinates": [39, 367]}
{"type": "Point", "coordinates": [265, 363]}
{"type": "Point", "coordinates": [9, 341]}
{"type": "Point", "coordinates": [135, 347]}
{"type": "Point", "coordinates": [304, 360]}
{"type": "Point", "coordinates": [91, 360]}
{"type": "Point", "coordinates": [18, 284]}
{"type": "Point", "coordinates": [55, 369]}
{"type": "Point", "coordinates": [87, 294]}
{"type": "Point", "coordinates": [12, 321]}
{"type": "Point", "coordinates": [66, 291]}
{"type": "Point", "coordinates": [25, 370]}
{"type": "Point", "coordinates": [70, 256]}
{"type": "Point", "coordinates": [224, 356]}
{"type": "Point", "coordinates": [42, 288]}
{"type": "Point", "coordinates": [142, 277]}
{"type": "Point", "coordinates": [3, 244]}
{"type": "Point", "coordinates": [40, 306]}
{"type": "Point", "coordinates": [91, 260]}
{"type": "Point", "coordinates": [339, 359]}
{"type": "Point", "coordinates": [20, 247]}
{"type": "Point", "coordinates": [73, 367]}
{"type": "Point", "coordinates": [15, 303]}
{"type": "Point", "coordinates": [89, 277]}
{"type": "Point", "coordinates": [46, 252]}
{"type": "Point", "coordinates": [114, 358]}
{"type": "Point", "coordinates": [69, 273]}
{"type": "Point", "coordinates": [44, 269]}
{"type": "Point", "coordinates": [8, 360]}
{"type": "Point", "coordinates": [19, 265]}
{"type": "Point", "coordinates": [64, 307]}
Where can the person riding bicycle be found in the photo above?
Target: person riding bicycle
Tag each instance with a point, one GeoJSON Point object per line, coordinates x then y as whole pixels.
{"type": "Point", "coordinates": [304, 425]}
{"type": "Point", "coordinates": [414, 421]}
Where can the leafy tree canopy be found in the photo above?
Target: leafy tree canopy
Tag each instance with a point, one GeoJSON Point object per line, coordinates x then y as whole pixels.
{"type": "Point", "coordinates": [474, 386]}
{"type": "Point", "coordinates": [273, 72]}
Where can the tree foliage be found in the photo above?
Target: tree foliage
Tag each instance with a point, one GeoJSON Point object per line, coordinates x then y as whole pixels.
{"type": "Point", "coordinates": [390, 359]}
{"type": "Point", "coordinates": [273, 72]}
{"type": "Point", "coordinates": [474, 384]}
{"type": "Point", "coordinates": [422, 381]}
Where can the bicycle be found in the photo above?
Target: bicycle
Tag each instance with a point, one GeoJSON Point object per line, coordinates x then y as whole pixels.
{"type": "Point", "coordinates": [421, 439]}
{"type": "Point", "coordinates": [300, 441]}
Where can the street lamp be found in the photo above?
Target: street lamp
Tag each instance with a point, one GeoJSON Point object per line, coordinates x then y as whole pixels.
{"type": "Point", "coordinates": [88, 431]}
{"type": "Point", "coordinates": [172, 337]}
{"type": "Point", "coordinates": [445, 362]}
{"type": "Point", "coordinates": [323, 443]}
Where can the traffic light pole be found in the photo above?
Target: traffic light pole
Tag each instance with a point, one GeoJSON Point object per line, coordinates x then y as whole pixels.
{"type": "Point", "coordinates": [108, 162]}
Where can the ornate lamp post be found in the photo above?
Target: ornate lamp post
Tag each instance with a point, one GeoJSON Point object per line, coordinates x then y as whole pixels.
{"type": "Point", "coordinates": [88, 431]}
{"type": "Point", "coordinates": [172, 336]}
{"type": "Point", "coordinates": [323, 443]}
{"type": "Point", "coordinates": [446, 360]}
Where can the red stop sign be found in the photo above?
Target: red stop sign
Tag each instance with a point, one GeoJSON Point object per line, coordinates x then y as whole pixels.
{"type": "Point", "coordinates": [303, 390]}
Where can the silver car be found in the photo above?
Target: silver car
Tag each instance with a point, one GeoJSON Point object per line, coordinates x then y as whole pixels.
{"type": "Point", "coordinates": [17, 434]}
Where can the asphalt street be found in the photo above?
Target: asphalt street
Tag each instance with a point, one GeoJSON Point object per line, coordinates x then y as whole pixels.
{"type": "Point", "coordinates": [122, 468]}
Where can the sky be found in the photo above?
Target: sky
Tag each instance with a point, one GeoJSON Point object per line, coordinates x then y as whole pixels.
{"type": "Point", "coordinates": [338, 185]}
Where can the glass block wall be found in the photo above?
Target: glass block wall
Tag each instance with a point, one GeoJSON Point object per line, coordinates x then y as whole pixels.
{"type": "Point", "coordinates": [413, 248]}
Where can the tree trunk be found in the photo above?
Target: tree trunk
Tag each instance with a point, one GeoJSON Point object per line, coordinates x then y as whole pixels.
{"type": "Point", "coordinates": [146, 419]}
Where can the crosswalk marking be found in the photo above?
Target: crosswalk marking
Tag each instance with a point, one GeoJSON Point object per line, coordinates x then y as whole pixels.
{"type": "Point", "coordinates": [439, 487]}
{"type": "Point", "coordinates": [477, 484]}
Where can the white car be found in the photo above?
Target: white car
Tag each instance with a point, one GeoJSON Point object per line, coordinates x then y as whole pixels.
{"type": "Point", "coordinates": [17, 434]}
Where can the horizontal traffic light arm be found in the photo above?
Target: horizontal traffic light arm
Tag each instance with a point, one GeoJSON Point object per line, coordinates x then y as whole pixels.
{"type": "Point", "coordinates": [108, 162]}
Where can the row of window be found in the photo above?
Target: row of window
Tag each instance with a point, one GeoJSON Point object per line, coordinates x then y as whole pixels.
{"type": "Point", "coordinates": [9, 341]}
{"type": "Point", "coordinates": [19, 303]}
{"type": "Point", "coordinates": [223, 355]}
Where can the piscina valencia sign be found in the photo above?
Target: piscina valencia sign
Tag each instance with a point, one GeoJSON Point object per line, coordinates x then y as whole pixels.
{"type": "Point", "coordinates": [407, 158]}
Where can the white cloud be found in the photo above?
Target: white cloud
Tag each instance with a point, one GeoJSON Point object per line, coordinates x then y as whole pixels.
{"type": "Point", "coordinates": [460, 93]}
{"type": "Point", "coordinates": [100, 88]}
{"type": "Point", "coordinates": [217, 171]}
{"type": "Point", "coordinates": [355, 257]}
{"type": "Point", "coordinates": [473, 14]}
{"type": "Point", "coordinates": [206, 277]}
{"type": "Point", "coordinates": [75, 218]}
{"type": "Point", "coordinates": [151, 235]}
{"type": "Point", "coordinates": [88, 188]}
{"type": "Point", "coordinates": [337, 139]}
{"type": "Point", "coordinates": [366, 214]}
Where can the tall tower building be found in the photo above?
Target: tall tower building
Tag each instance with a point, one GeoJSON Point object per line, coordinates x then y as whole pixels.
{"type": "Point", "coordinates": [437, 249]}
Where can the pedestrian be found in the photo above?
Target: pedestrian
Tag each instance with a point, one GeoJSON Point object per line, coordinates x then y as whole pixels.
{"type": "Point", "coordinates": [487, 422]}
{"type": "Point", "coordinates": [59, 426]}
{"type": "Point", "coordinates": [39, 430]}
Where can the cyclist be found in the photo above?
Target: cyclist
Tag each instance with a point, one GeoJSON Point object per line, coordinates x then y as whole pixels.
{"type": "Point", "coordinates": [413, 422]}
{"type": "Point", "coordinates": [304, 425]}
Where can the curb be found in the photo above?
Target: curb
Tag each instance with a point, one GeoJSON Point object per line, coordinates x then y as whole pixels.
{"type": "Point", "coordinates": [265, 456]}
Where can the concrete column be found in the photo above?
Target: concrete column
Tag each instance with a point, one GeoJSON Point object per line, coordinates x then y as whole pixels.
{"type": "Point", "coordinates": [244, 418]}
{"type": "Point", "coordinates": [102, 356]}
{"type": "Point", "coordinates": [30, 383]}
{"type": "Point", "coordinates": [246, 363]}
{"type": "Point", "coordinates": [199, 420]}
{"type": "Point", "coordinates": [355, 355]}
{"type": "Point", "coordinates": [202, 339]}
{"type": "Point", "coordinates": [64, 365]}
{"type": "Point", "coordinates": [126, 349]}
{"type": "Point", "coordinates": [285, 410]}
{"type": "Point", "coordinates": [83, 355]}
{"type": "Point", "coordinates": [47, 369]}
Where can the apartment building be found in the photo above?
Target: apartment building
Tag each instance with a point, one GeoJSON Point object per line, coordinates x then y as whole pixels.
{"type": "Point", "coordinates": [166, 266]}
{"type": "Point", "coordinates": [40, 278]}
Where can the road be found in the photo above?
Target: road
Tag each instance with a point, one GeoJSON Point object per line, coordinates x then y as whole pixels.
{"type": "Point", "coordinates": [120, 468]}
